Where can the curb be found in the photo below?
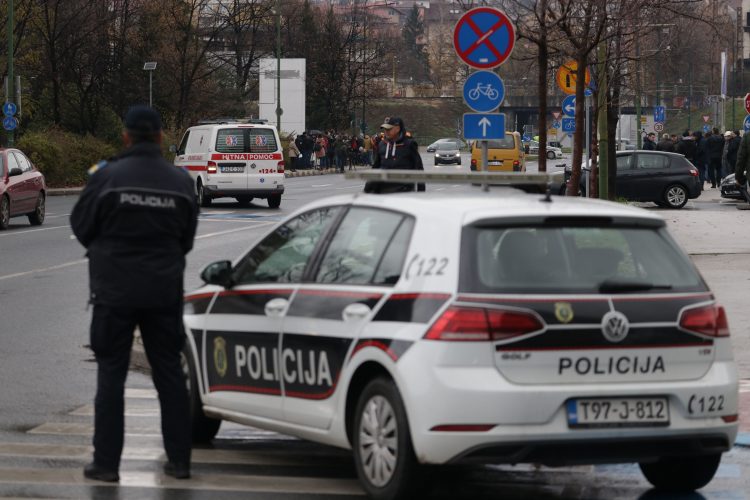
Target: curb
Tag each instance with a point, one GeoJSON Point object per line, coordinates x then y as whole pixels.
{"type": "Point", "coordinates": [743, 440]}
{"type": "Point", "coordinates": [287, 175]}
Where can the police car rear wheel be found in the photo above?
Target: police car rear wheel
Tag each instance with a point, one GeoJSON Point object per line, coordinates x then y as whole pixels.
{"type": "Point", "coordinates": [551, 155]}
{"type": "Point", "coordinates": [36, 218]}
{"type": "Point", "coordinates": [204, 428]}
{"type": "Point", "coordinates": [4, 212]}
{"type": "Point", "coordinates": [681, 474]}
{"type": "Point", "coordinates": [383, 452]}
{"type": "Point", "coordinates": [274, 201]}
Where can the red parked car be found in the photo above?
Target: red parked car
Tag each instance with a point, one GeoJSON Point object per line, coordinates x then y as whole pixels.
{"type": "Point", "coordinates": [22, 188]}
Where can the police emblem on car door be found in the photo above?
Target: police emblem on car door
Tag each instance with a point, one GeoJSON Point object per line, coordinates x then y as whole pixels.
{"type": "Point", "coordinates": [242, 343]}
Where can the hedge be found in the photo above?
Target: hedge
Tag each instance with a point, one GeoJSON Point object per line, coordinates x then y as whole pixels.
{"type": "Point", "coordinates": [64, 158]}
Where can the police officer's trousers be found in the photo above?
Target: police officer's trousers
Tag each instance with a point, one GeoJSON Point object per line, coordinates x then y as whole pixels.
{"type": "Point", "coordinates": [112, 331]}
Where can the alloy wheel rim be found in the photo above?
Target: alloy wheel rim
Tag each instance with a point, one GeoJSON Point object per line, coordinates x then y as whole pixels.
{"type": "Point", "coordinates": [40, 207]}
{"type": "Point", "coordinates": [378, 441]}
{"type": "Point", "coordinates": [676, 196]}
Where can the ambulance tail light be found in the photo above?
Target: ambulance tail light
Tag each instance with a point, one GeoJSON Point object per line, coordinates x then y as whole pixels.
{"type": "Point", "coordinates": [473, 324]}
{"type": "Point", "coordinates": [708, 320]}
{"type": "Point", "coordinates": [280, 167]}
{"type": "Point", "coordinates": [212, 167]}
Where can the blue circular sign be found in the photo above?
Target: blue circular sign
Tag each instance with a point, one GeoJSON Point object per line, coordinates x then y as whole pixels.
{"type": "Point", "coordinates": [569, 105]}
{"type": "Point", "coordinates": [10, 123]}
{"type": "Point", "coordinates": [9, 109]}
{"type": "Point", "coordinates": [484, 91]}
{"type": "Point", "coordinates": [745, 124]}
{"type": "Point", "coordinates": [556, 124]}
{"type": "Point", "coordinates": [588, 92]}
{"type": "Point", "coordinates": [484, 37]}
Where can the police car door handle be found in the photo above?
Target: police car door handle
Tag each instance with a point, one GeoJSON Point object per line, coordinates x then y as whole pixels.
{"type": "Point", "coordinates": [276, 307]}
{"type": "Point", "coordinates": [355, 312]}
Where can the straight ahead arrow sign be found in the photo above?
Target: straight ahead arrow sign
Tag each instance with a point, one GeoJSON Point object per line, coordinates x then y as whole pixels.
{"type": "Point", "coordinates": [484, 123]}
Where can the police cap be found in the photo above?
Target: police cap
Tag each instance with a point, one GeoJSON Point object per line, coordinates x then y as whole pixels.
{"type": "Point", "coordinates": [142, 121]}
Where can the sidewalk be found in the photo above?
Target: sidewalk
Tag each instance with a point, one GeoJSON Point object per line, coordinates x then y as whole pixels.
{"type": "Point", "coordinates": [288, 174]}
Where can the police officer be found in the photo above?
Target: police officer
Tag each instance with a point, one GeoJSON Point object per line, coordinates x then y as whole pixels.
{"type": "Point", "coordinates": [395, 151]}
{"type": "Point", "coordinates": [137, 218]}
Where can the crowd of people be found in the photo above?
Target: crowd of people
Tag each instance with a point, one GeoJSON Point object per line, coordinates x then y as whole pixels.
{"type": "Point", "coordinates": [713, 153]}
{"type": "Point", "coordinates": [330, 149]}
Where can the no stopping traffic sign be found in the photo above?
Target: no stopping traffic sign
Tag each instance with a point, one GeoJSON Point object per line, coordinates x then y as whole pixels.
{"type": "Point", "coordinates": [484, 37]}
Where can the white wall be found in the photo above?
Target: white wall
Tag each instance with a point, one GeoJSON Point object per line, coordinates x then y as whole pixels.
{"type": "Point", "coordinates": [293, 75]}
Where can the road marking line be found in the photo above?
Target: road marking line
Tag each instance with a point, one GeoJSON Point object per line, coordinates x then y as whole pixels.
{"type": "Point", "coordinates": [228, 231]}
{"type": "Point", "coordinates": [48, 216]}
{"type": "Point", "coordinates": [220, 482]}
{"type": "Point", "coordinates": [5, 235]}
{"type": "Point", "coordinates": [88, 411]}
{"type": "Point", "coordinates": [44, 269]}
{"type": "Point", "coordinates": [140, 393]}
{"type": "Point", "coordinates": [240, 456]}
{"type": "Point", "coordinates": [78, 429]}
{"type": "Point", "coordinates": [321, 185]}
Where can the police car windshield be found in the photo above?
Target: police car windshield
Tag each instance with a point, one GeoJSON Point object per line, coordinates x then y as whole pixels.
{"type": "Point", "coordinates": [246, 140]}
{"type": "Point", "coordinates": [574, 260]}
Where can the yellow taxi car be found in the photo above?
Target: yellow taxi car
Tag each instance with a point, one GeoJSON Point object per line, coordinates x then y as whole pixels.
{"type": "Point", "coordinates": [503, 155]}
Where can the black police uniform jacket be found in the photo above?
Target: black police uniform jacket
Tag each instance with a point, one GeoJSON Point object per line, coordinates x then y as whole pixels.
{"type": "Point", "coordinates": [137, 218]}
{"type": "Point", "coordinates": [403, 154]}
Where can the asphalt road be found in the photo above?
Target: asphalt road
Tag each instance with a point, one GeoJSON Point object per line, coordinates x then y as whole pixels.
{"type": "Point", "coordinates": [48, 377]}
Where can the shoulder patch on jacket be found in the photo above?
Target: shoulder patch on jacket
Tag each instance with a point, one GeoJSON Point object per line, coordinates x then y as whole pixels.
{"type": "Point", "coordinates": [97, 166]}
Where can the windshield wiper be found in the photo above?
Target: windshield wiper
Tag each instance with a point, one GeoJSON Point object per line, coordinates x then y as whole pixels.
{"type": "Point", "coordinates": [620, 286]}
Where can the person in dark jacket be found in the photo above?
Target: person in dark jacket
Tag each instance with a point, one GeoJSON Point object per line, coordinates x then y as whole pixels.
{"type": "Point", "coordinates": [742, 167]}
{"type": "Point", "coordinates": [686, 146]}
{"type": "Point", "coordinates": [715, 150]}
{"type": "Point", "coordinates": [649, 142]}
{"type": "Point", "coordinates": [701, 155]}
{"type": "Point", "coordinates": [137, 218]}
{"type": "Point", "coordinates": [732, 149]}
{"type": "Point", "coordinates": [665, 144]}
{"type": "Point", "coordinates": [396, 151]}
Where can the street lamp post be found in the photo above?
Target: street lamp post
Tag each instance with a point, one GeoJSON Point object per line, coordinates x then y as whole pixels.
{"type": "Point", "coordinates": [11, 78]}
{"type": "Point", "coordinates": [279, 111]}
{"type": "Point", "coordinates": [150, 67]}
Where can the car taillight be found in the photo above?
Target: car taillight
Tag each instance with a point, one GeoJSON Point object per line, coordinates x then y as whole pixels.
{"type": "Point", "coordinates": [693, 172]}
{"type": "Point", "coordinates": [707, 320]}
{"type": "Point", "coordinates": [516, 165]}
{"type": "Point", "coordinates": [280, 167]}
{"type": "Point", "coordinates": [212, 168]}
{"type": "Point", "coordinates": [473, 162]}
{"type": "Point", "coordinates": [474, 324]}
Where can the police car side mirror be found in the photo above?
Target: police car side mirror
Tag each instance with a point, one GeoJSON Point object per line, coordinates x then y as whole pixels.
{"type": "Point", "coordinates": [15, 171]}
{"type": "Point", "coordinates": [173, 148]}
{"type": "Point", "coordinates": [218, 273]}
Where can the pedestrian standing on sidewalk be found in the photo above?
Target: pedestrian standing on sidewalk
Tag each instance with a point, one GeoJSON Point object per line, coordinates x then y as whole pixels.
{"type": "Point", "coordinates": [292, 154]}
{"type": "Point", "coordinates": [701, 152]}
{"type": "Point", "coordinates": [396, 151]}
{"type": "Point", "coordinates": [665, 144]}
{"type": "Point", "coordinates": [649, 142]}
{"type": "Point", "coordinates": [137, 217]}
{"type": "Point", "coordinates": [742, 167]}
{"type": "Point", "coordinates": [715, 151]}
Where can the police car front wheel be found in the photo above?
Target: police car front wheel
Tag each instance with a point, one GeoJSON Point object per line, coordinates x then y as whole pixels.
{"type": "Point", "coordinates": [383, 452]}
{"type": "Point", "coordinates": [204, 428]}
{"type": "Point", "coordinates": [681, 474]}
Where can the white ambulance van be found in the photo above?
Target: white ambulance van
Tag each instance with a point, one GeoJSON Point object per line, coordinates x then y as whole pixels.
{"type": "Point", "coordinates": [242, 160]}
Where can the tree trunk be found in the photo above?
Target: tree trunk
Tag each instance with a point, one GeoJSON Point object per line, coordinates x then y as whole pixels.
{"type": "Point", "coordinates": [543, 60]}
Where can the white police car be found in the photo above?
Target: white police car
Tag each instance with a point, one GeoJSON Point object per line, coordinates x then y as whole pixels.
{"type": "Point", "coordinates": [242, 160]}
{"type": "Point", "coordinates": [425, 328]}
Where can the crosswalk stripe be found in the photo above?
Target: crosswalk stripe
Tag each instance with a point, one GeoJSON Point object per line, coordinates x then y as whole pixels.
{"type": "Point", "coordinates": [215, 482]}
{"type": "Point", "coordinates": [199, 456]}
{"type": "Point", "coordinates": [140, 393]}
{"type": "Point", "coordinates": [88, 411]}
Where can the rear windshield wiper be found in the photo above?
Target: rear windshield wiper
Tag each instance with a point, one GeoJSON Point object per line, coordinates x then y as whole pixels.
{"type": "Point", "coordinates": [618, 286]}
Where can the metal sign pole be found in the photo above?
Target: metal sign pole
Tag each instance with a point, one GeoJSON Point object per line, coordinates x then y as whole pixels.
{"type": "Point", "coordinates": [588, 145]}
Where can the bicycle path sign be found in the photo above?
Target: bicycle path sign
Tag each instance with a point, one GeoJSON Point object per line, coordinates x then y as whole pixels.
{"type": "Point", "coordinates": [484, 37]}
{"type": "Point", "coordinates": [484, 91]}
